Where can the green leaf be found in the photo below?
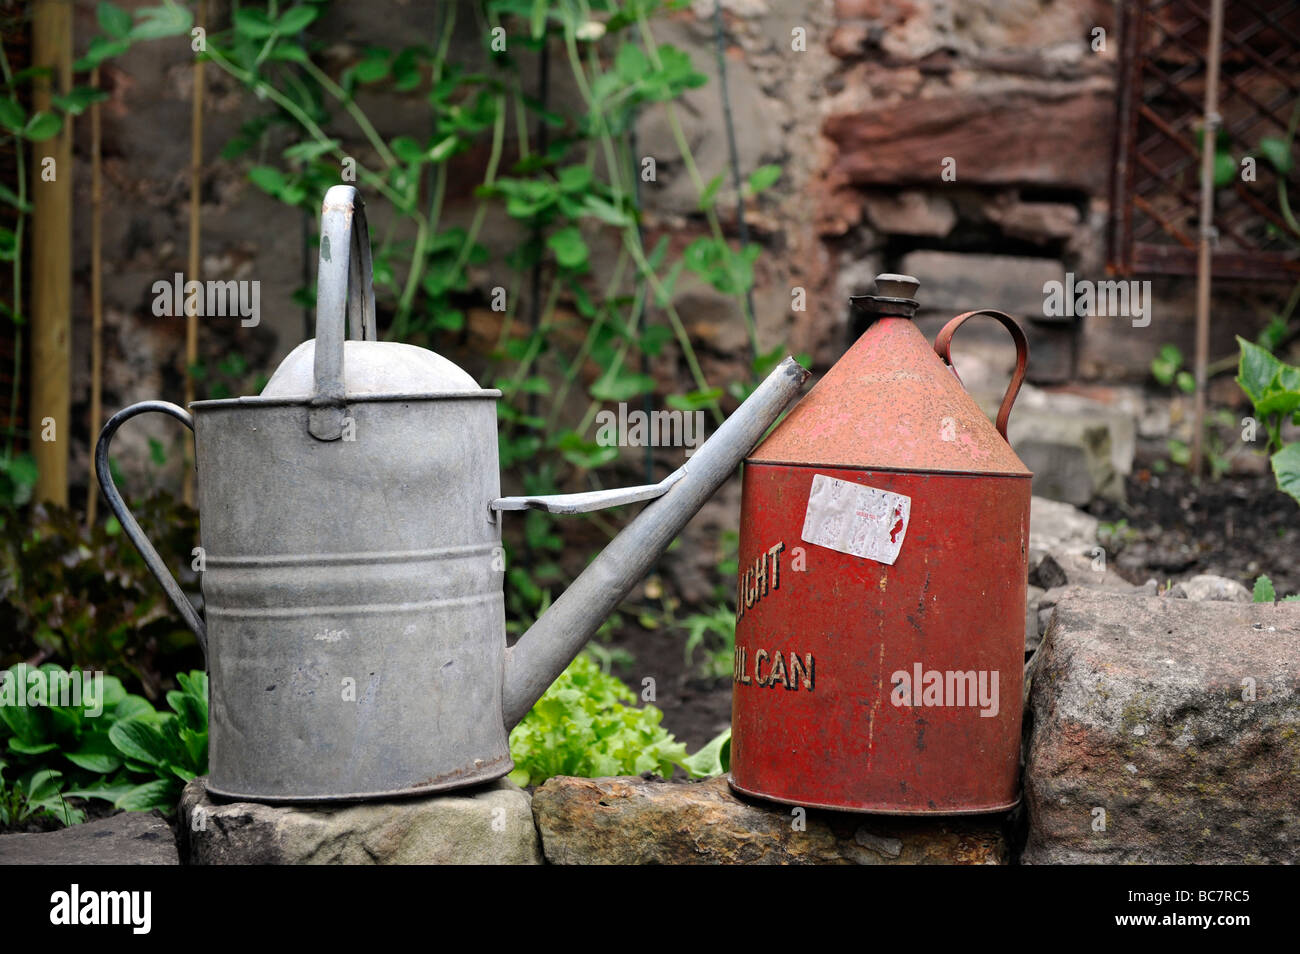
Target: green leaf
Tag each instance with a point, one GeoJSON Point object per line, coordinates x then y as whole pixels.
{"type": "Point", "coordinates": [25, 748]}
{"type": "Point", "coordinates": [373, 67]}
{"type": "Point", "coordinates": [443, 149]}
{"type": "Point", "coordinates": [1256, 369]}
{"type": "Point", "coordinates": [537, 24]}
{"type": "Point", "coordinates": [407, 149]}
{"type": "Point", "coordinates": [1286, 468]}
{"type": "Point", "coordinates": [599, 208]}
{"type": "Point", "coordinates": [152, 741]}
{"type": "Point", "coordinates": [710, 192]}
{"type": "Point", "coordinates": [695, 400]}
{"type": "Point", "coordinates": [713, 759]}
{"type": "Point", "coordinates": [630, 63]}
{"type": "Point", "coordinates": [570, 249]}
{"type": "Point", "coordinates": [297, 18]}
{"type": "Point", "coordinates": [96, 754]}
{"type": "Point", "coordinates": [619, 385]}
{"type": "Point", "coordinates": [109, 790]}
{"type": "Point", "coordinates": [764, 177]}
{"type": "Point", "coordinates": [12, 116]}
{"type": "Point", "coordinates": [101, 48]}
{"type": "Point", "coordinates": [133, 707]}
{"type": "Point", "coordinates": [154, 23]}
{"type": "Point", "coordinates": [114, 21]}
{"type": "Point", "coordinates": [42, 126]}
{"type": "Point", "coordinates": [252, 23]}
{"type": "Point", "coordinates": [76, 101]}
{"type": "Point", "coordinates": [1263, 592]}
{"type": "Point", "coordinates": [162, 794]}
{"type": "Point", "coordinates": [1277, 152]}
{"type": "Point", "coordinates": [289, 53]}
{"type": "Point", "coordinates": [309, 150]}
{"type": "Point", "coordinates": [575, 178]}
{"type": "Point", "coordinates": [269, 179]}
{"type": "Point", "coordinates": [1225, 169]}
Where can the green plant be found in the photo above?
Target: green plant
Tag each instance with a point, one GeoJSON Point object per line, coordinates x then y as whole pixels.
{"type": "Point", "coordinates": [1115, 536]}
{"type": "Point", "coordinates": [35, 796]}
{"type": "Point", "coordinates": [105, 743]}
{"type": "Point", "coordinates": [83, 597]}
{"type": "Point", "coordinates": [171, 746]}
{"type": "Point", "coordinates": [18, 128]}
{"type": "Point", "coordinates": [570, 181]}
{"type": "Point", "coordinates": [586, 726]}
{"type": "Point", "coordinates": [1167, 368]}
{"type": "Point", "coordinates": [1273, 387]}
{"type": "Point", "coordinates": [1264, 592]}
{"type": "Point", "coordinates": [713, 632]}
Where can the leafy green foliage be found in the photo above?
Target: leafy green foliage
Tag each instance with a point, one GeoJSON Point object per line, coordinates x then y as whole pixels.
{"type": "Point", "coordinates": [1166, 367]}
{"type": "Point", "coordinates": [65, 736]}
{"type": "Point", "coordinates": [85, 597]}
{"type": "Point", "coordinates": [713, 632]}
{"type": "Point", "coordinates": [1264, 592]}
{"type": "Point", "coordinates": [586, 725]}
{"type": "Point", "coordinates": [1273, 387]}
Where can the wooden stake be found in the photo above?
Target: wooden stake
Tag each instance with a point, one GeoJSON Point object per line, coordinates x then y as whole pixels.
{"type": "Point", "coordinates": [195, 263]}
{"type": "Point", "coordinates": [96, 297]}
{"type": "Point", "coordinates": [1203, 256]}
{"type": "Point", "coordinates": [51, 262]}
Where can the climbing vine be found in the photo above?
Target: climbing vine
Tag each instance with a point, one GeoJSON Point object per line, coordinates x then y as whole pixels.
{"type": "Point", "coordinates": [566, 176]}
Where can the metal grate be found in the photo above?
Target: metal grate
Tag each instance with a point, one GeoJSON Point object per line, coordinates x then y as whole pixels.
{"type": "Point", "coordinates": [1155, 180]}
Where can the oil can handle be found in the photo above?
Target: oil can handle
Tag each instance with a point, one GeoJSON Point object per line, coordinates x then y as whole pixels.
{"type": "Point", "coordinates": [943, 343]}
{"type": "Point", "coordinates": [129, 524]}
{"type": "Point", "coordinates": [344, 292]}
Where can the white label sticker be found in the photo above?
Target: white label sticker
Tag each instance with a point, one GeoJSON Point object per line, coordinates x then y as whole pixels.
{"type": "Point", "coordinates": [855, 519]}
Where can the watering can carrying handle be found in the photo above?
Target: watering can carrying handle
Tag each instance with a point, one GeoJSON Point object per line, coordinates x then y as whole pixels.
{"type": "Point", "coordinates": [129, 524]}
{"type": "Point", "coordinates": [344, 291]}
{"type": "Point", "coordinates": [943, 343]}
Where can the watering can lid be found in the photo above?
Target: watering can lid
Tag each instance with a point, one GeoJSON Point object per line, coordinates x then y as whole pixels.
{"type": "Point", "coordinates": [371, 369]}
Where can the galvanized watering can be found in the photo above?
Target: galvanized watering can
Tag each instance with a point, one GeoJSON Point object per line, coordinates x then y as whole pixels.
{"type": "Point", "coordinates": [350, 521]}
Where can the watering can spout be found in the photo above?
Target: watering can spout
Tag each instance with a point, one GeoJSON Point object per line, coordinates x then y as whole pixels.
{"type": "Point", "coordinates": [544, 651]}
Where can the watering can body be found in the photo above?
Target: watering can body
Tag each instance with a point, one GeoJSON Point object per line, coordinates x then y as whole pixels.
{"type": "Point", "coordinates": [352, 567]}
{"type": "Point", "coordinates": [881, 596]}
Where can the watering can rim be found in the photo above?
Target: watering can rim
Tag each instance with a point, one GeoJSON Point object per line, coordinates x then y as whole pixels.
{"type": "Point", "coordinates": [256, 400]}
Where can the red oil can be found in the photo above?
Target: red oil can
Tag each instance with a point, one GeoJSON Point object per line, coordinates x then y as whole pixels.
{"type": "Point", "coordinates": [881, 596]}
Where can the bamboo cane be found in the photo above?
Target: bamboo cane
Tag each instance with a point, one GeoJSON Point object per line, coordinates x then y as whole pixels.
{"type": "Point", "coordinates": [96, 294]}
{"type": "Point", "coordinates": [1203, 255]}
{"type": "Point", "coordinates": [194, 265]}
{"type": "Point", "coordinates": [51, 314]}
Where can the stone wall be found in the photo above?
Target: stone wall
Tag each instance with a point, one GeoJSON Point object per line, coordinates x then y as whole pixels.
{"type": "Point", "coordinates": [859, 101]}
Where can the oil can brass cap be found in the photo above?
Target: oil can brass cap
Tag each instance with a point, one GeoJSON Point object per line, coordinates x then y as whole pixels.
{"type": "Point", "coordinates": [895, 297]}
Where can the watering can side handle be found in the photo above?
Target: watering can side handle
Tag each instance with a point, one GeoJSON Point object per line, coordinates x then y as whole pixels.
{"type": "Point", "coordinates": [943, 342]}
{"type": "Point", "coordinates": [345, 295]}
{"type": "Point", "coordinates": [129, 523]}
{"type": "Point", "coordinates": [592, 499]}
